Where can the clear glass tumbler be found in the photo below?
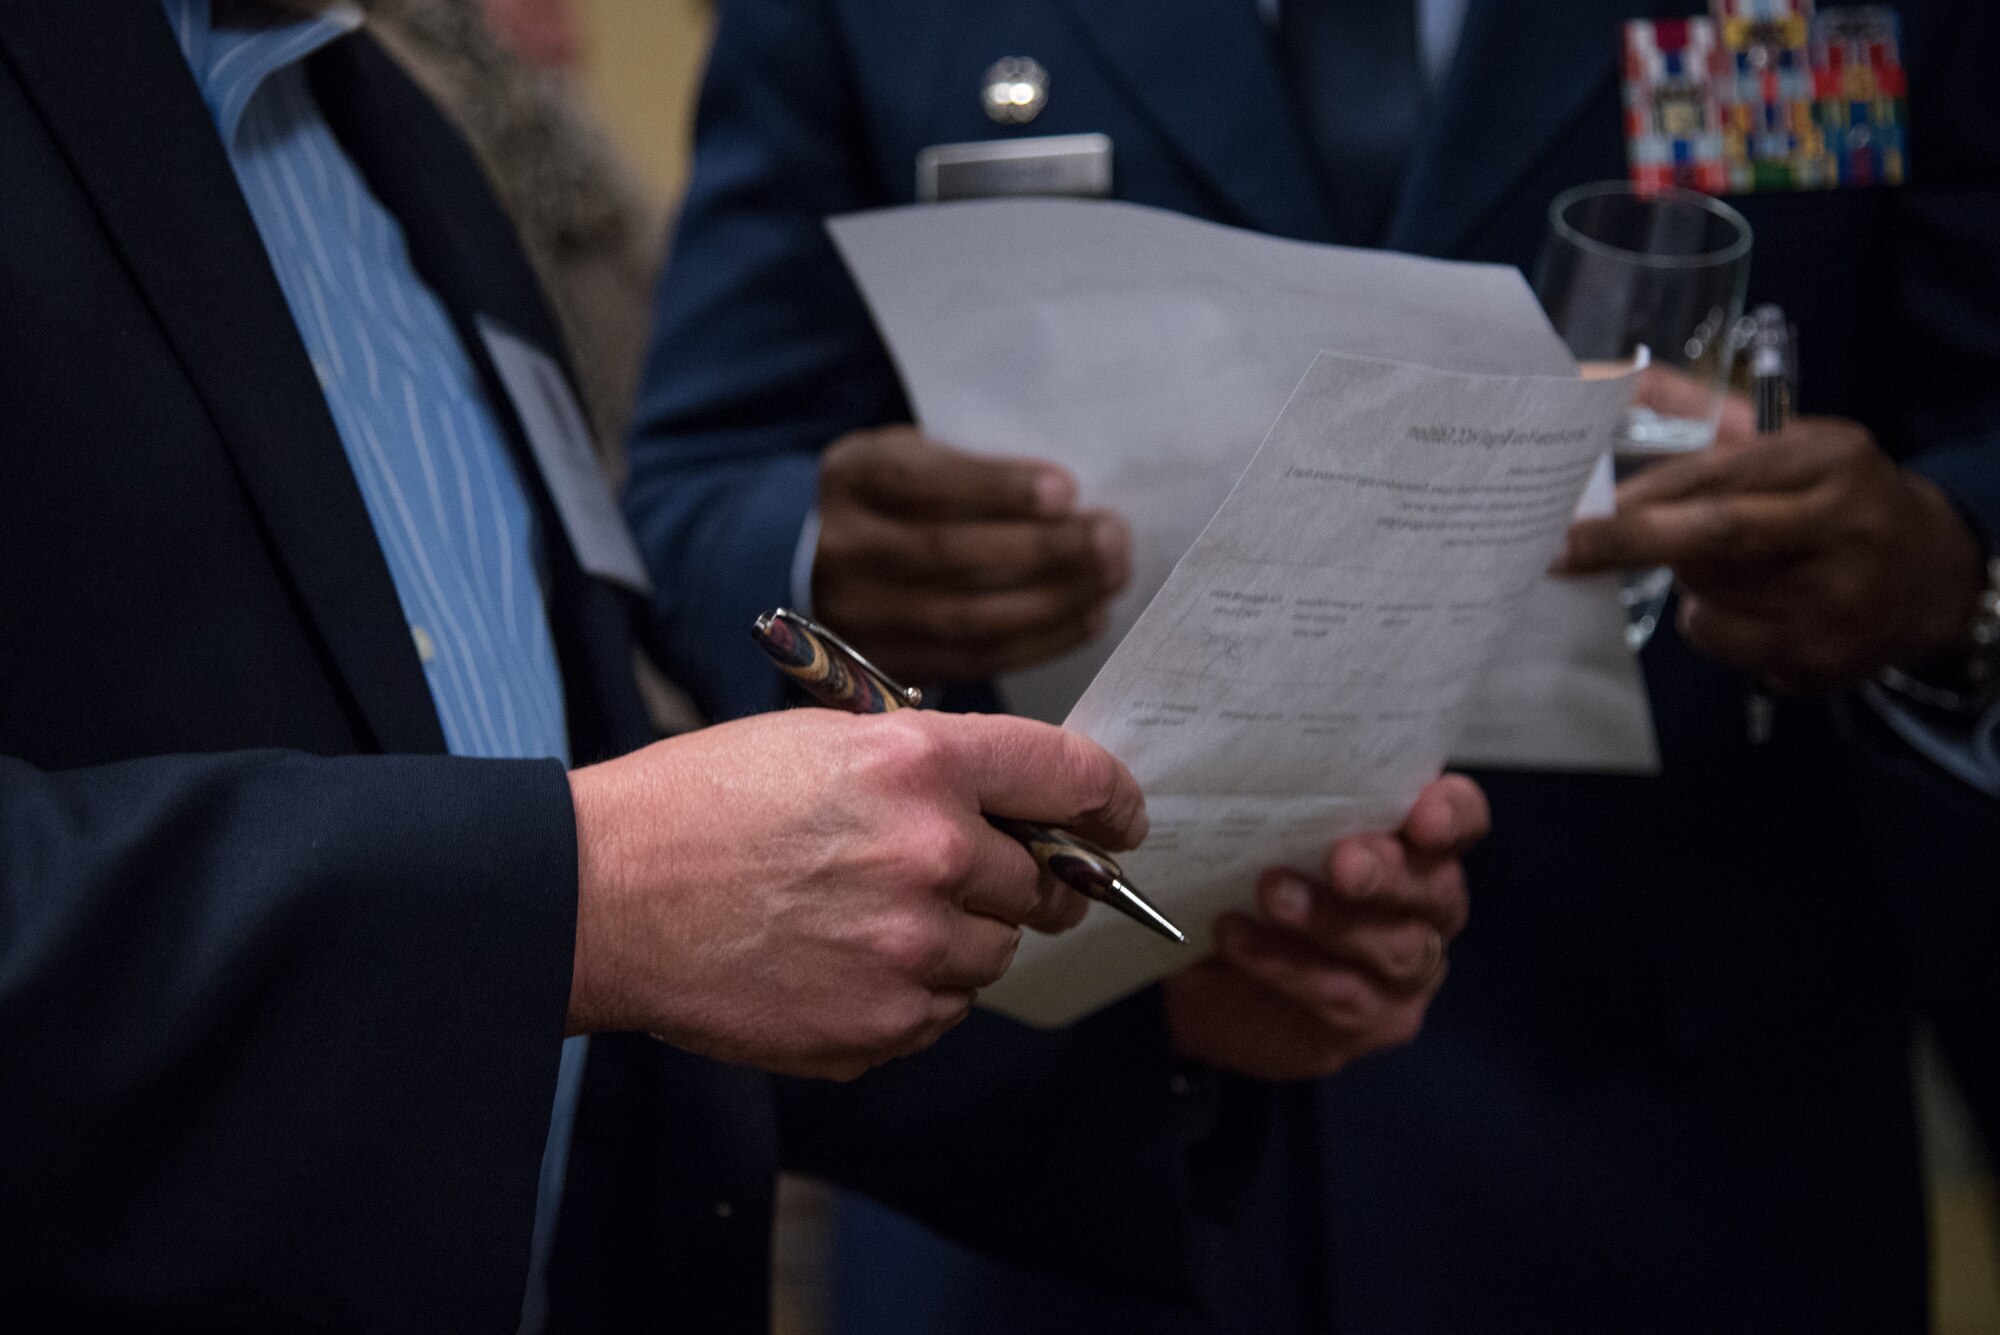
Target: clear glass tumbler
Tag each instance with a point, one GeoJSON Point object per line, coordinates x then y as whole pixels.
{"type": "Point", "coordinates": [1665, 272]}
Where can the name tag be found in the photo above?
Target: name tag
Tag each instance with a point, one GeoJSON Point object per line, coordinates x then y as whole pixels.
{"type": "Point", "coordinates": [1077, 165]}
{"type": "Point", "coordinates": [560, 439]}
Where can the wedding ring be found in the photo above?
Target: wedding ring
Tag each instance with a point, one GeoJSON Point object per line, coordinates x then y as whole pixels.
{"type": "Point", "coordinates": [1433, 957]}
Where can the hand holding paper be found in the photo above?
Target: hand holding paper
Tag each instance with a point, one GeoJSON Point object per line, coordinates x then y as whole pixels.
{"type": "Point", "coordinates": [946, 566]}
{"type": "Point", "coordinates": [1305, 670]}
{"type": "Point", "coordinates": [1332, 967]}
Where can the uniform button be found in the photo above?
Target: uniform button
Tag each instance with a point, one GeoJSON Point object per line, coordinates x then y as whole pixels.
{"type": "Point", "coordinates": [1015, 91]}
{"type": "Point", "coordinates": [426, 648]}
{"type": "Point", "coordinates": [1179, 1085]}
{"type": "Point", "coordinates": [724, 1210]}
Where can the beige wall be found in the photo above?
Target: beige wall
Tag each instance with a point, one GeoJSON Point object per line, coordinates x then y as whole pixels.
{"type": "Point", "coordinates": [642, 64]}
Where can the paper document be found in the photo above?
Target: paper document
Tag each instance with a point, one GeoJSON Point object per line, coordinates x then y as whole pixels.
{"type": "Point", "coordinates": [1563, 691]}
{"type": "Point", "coordinates": [1150, 353]}
{"type": "Point", "coordinates": [1308, 665]}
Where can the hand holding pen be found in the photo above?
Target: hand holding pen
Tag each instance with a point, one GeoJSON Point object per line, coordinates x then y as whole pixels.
{"type": "Point", "coordinates": [835, 675]}
{"type": "Point", "coordinates": [812, 894]}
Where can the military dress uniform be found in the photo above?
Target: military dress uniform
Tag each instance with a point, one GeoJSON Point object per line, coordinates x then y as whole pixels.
{"type": "Point", "coordinates": [1667, 1086]}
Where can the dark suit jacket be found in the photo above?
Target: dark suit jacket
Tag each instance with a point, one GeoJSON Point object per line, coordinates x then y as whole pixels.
{"type": "Point", "coordinates": [281, 985]}
{"type": "Point", "coordinates": [1665, 1088]}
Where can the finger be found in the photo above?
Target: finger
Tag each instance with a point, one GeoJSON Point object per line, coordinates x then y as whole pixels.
{"type": "Point", "coordinates": [1747, 643]}
{"type": "Point", "coordinates": [1090, 550]}
{"type": "Point", "coordinates": [1005, 880]}
{"type": "Point", "coordinates": [1400, 951]}
{"type": "Point", "coordinates": [1232, 1020]}
{"type": "Point", "coordinates": [978, 620]}
{"type": "Point", "coordinates": [922, 662]}
{"type": "Point", "coordinates": [1390, 891]}
{"type": "Point", "coordinates": [902, 473]}
{"type": "Point", "coordinates": [1432, 888]}
{"type": "Point", "coordinates": [1450, 818]}
{"type": "Point", "coordinates": [977, 950]}
{"type": "Point", "coordinates": [1337, 993]}
{"type": "Point", "coordinates": [944, 1009]}
{"type": "Point", "coordinates": [948, 1008]}
{"type": "Point", "coordinates": [1737, 427]}
{"type": "Point", "coordinates": [1808, 452]}
{"type": "Point", "coordinates": [1700, 473]}
{"type": "Point", "coordinates": [1672, 392]}
{"type": "Point", "coordinates": [1737, 530]}
{"type": "Point", "coordinates": [1340, 991]}
{"type": "Point", "coordinates": [1007, 884]}
{"type": "Point", "coordinates": [1034, 772]}
{"type": "Point", "coordinates": [1402, 956]}
{"type": "Point", "coordinates": [1060, 909]}
{"type": "Point", "coordinates": [1771, 593]}
{"type": "Point", "coordinates": [1776, 649]}
{"type": "Point", "coordinates": [1358, 867]}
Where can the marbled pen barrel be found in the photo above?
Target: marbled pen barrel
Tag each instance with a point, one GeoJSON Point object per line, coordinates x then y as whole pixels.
{"type": "Point", "coordinates": [1089, 871]}
{"type": "Point", "coordinates": [822, 673]}
{"type": "Point", "coordinates": [1065, 857]}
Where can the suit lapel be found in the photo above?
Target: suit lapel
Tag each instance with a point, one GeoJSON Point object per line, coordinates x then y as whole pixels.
{"type": "Point", "coordinates": [1525, 70]}
{"type": "Point", "coordinates": [1206, 74]}
{"type": "Point", "coordinates": [118, 97]}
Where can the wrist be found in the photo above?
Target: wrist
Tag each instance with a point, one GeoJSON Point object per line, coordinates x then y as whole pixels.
{"type": "Point", "coordinates": [1959, 582]}
{"type": "Point", "coordinates": [591, 1004]}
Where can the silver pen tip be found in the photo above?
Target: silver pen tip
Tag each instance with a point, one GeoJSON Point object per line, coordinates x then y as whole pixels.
{"type": "Point", "coordinates": [1137, 907]}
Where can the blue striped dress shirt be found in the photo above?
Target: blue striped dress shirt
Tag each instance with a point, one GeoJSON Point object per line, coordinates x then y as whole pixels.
{"type": "Point", "coordinates": [448, 509]}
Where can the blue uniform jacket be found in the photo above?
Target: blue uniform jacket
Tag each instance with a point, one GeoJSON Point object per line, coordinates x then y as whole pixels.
{"type": "Point", "coordinates": [1666, 1086]}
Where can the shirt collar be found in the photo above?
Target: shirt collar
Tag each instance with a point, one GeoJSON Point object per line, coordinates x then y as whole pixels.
{"type": "Point", "coordinates": [231, 62]}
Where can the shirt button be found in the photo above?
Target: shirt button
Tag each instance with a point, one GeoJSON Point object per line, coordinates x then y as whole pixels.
{"type": "Point", "coordinates": [724, 1210]}
{"type": "Point", "coordinates": [426, 649]}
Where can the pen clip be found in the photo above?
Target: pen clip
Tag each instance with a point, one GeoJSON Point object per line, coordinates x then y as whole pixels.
{"type": "Point", "coordinates": [1771, 343]}
{"type": "Point", "coordinates": [909, 696]}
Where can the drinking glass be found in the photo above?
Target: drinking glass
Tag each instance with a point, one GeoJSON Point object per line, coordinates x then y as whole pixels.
{"type": "Point", "coordinates": [1660, 275]}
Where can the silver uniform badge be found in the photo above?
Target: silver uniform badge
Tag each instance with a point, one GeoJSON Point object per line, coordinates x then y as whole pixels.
{"type": "Point", "coordinates": [1017, 88]}
{"type": "Point", "coordinates": [1078, 165]}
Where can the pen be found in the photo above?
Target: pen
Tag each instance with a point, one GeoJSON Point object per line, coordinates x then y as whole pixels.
{"type": "Point", "coordinates": [1771, 374]}
{"type": "Point", "coordinates": [833, 673]}
{"type": "Point", "coordinates": [1771, 368]}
